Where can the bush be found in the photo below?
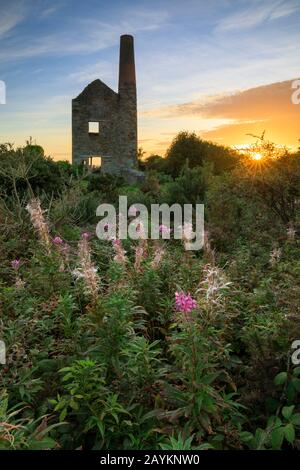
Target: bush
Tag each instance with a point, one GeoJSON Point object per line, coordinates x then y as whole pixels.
{"type": "Point", "coordinates": [187, 148]}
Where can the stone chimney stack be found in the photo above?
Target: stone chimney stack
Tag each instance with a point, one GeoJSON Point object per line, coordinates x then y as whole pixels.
{"type": "Point", "coordinates": [126, 65]}
{"type": "Point", "coordinates": [127, 125]}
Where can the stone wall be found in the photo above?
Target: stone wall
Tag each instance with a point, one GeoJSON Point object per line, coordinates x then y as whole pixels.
{"type": "Point", "coordinates": [116, 114]}
{"type": "Point", "coordinates": [97, 103]}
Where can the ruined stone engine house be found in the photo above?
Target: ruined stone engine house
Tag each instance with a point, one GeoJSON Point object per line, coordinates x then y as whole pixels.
{"type": "Point", "coordinates": [104, 123]}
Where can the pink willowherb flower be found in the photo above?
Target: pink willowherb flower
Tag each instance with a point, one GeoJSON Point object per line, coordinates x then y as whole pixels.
{"type": "Point", "coordinates": [65, 249]}
{"type": "Point", "coordinates": [184, 303]}
{"type": "Point", "coordinates": [187, 233]}
{"type": "Point", "coordinates": [164, 230]}
{"type": "Point", "coordinates": [214, 284]}
{"type": "Point", "coordinates": [39, 222]}
{"type": "Point", "coordinates": [86, 270]}
{"type": "Point", "coordinates": [57, 241]}
{"type": "Point", "coordinates": [291, 233]}
{"type": "Point", "coordinates": [140, 254]}
{"type": "Point", "coordinates": [207, 247]}
{"type": "Point", "coordinates": [120, 253]}
{"type": "Point", "coordinates": [19, 283]}
{"type": "Point", "coordinates": [85, 235]}
{"type": "Point", "coordinates": [159, 254]}
{"type": "Point", "coordinates": [275, 256]}
{"type": "Point", "coordinates": [15, 264]}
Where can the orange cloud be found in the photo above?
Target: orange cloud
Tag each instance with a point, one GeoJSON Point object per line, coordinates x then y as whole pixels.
{"type": "Point", "coordinates": [251, 111]}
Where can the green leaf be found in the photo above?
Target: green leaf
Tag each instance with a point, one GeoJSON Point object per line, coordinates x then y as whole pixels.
{"type": "Point", "coordinates": [204, 447]}
{"type": "Point", "coordinates": [246, 436]}
{"type": "Point", "coordinates": [291, 392]}
{"type": "Point", "coordinates": [277, 437]}
{"type": "Point", "coordinates": [274, 422]}
{"type": "Point", "coordinates": [287, 411]}
{"type": "Point", "coordinates": [260, 437]}
{"type": "Point", "coordinates": [296, 384]}
{"type": "Point", "coordinates": [46, 443]}
{"type": "Point", "coordinates": [289, 432]}
{"type": "Point", "coordinates": [63, 414]}
{"type": "Point", "coordinates": [74, 405]}
{"type": "Point", "coordinates": [295, 419]}
{"type": "Point", "coordinates": [101, 428]}
{"type": "Point", "coordinates": [280, 378]}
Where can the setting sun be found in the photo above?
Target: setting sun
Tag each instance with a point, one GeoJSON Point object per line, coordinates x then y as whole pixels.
{"type": "Point", "coordinates": [257, 156]}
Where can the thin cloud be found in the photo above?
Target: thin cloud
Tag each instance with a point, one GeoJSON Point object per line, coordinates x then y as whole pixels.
{"type": "Point", "coordinates": [84, 36]}
{"type": "Point", "coordinates": [257, 14]}
{"type": "Point", "coordinates": [285, 9]}
{"type": "Point", "coordinates": [11, 16]}
{"type": "Point", "coordinates": [50, 11]}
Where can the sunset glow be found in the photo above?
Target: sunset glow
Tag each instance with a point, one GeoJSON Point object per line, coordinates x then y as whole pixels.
{"type": "Point", "coordinates": [257, 156]}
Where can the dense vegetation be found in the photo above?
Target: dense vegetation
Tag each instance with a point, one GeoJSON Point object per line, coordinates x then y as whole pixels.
{"type": "Point", "coordinates": [143, 345]}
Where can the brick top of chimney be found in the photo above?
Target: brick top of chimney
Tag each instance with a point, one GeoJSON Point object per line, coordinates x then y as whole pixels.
{"type": "Point", "coordinates": [126, 65]}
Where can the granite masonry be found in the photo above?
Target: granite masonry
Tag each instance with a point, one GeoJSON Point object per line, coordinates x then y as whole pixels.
{"type": "Point", "coordinates": [104, 123]}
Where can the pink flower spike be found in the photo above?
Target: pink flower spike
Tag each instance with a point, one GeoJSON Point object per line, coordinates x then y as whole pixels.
{"type": "Point", "coordinates": [57, 241]}
{"type": "Point", "coordinates": [164, 229]}
{"type": "Point", "coordinates": [65, 248]}
{"type": "Point", "coordinates": [15, 264]}
{"type": "Point", "coordinates": [184, 303]}
{"type": "Point", "coordinates": [85, 235]}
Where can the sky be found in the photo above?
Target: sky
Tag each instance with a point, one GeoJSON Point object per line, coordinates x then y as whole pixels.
{"type": "Point", "coordinates": [221, 68]}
